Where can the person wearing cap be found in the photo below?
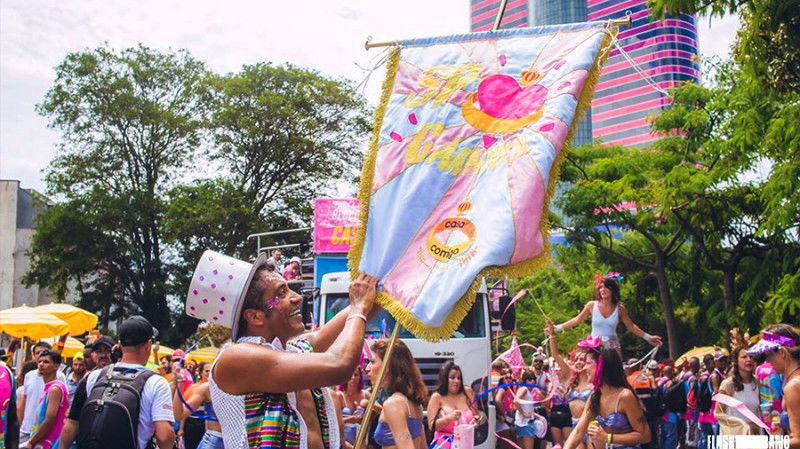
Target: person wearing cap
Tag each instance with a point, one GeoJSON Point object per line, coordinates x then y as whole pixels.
{"type": "Point", "coordinates": [292, 270]}
{"type": "Point", "coordinates": [267, 387]}
{"type": "Point", "coordinates": [183, 378]}
{"type": "Point", "coordinates": [645, 384]}
{"type": "Point", "coordinates": [136, 337]}
{"type": "Point", "coordinates": [155, 411]}
{"type": "Point", "coordinates": [32, 393]}
{"type": "Point", "coordinates": [541, 377]}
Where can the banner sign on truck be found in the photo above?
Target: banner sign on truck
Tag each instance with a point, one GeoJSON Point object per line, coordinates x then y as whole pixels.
{"type": "Point", "coordinates": [335, 224]}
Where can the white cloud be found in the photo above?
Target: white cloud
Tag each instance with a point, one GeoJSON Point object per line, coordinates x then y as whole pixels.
{"type": "Point", "coordinates": [717, 35]}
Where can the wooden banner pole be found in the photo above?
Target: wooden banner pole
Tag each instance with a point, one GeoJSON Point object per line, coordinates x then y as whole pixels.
{"type": "Point", "coordinates": [362, 430]}
{"type": "Point", "coordinates": [500, 13]}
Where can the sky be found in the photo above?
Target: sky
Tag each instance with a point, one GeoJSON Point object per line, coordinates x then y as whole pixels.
{"type": "Point", "coordinates": [327, 36]}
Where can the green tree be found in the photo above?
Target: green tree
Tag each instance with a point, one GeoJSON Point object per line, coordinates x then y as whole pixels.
{"type": "Point", "coordinates": [130, 122]}
{"type": "Point", "coordinates": [764, 112]}
{"type": "Point", "coordinates": [612, 205]}
{"type": "Point", "coordinates": [287, 134]}
{"type": "Point", "coordinates": [282, 136]}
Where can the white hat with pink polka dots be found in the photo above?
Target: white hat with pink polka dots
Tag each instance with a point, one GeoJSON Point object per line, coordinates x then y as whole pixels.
{"type": "Point", "coordinates": [219, 284]}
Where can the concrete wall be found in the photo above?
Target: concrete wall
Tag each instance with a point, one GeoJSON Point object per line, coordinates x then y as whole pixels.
{"type": "Point", "coordinates": [8, 240]}
{"type": "Point", "coordinates": [17, 212]}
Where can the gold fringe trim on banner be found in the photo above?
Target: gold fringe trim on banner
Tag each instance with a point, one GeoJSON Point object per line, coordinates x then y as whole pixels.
{"type": "Point", "coordinates": [520, 269]}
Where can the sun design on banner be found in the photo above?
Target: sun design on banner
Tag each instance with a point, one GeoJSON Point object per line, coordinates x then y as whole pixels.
{"type": "Point", "coordinates": [469, 135]}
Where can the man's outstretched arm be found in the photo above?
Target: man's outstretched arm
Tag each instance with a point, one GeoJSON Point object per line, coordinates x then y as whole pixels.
{"type": "Point", "coordinates": [322, 339]}
{"type": "Point", "coordinates": [246, 368]}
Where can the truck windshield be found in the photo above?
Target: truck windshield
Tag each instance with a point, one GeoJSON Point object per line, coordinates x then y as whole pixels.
{"type": "Point", "coordinates": [473, 325]}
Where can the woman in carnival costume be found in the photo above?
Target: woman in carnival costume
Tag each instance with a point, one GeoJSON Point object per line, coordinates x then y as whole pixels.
{"type": "Point", "coordinates": [614, 417]}
{"type": "Point", "coordinates": [780, 345]}
{"type": "Point", "coordinates": [606, 311]}
{"type": "Point", "coordinates": [579, 377]}
{"type": "Point", "coordinates": [743, 386]}
{"type": "Point", "coordinates": [401, 422]}
{"type": "Point", "coordinates": [451, 404]}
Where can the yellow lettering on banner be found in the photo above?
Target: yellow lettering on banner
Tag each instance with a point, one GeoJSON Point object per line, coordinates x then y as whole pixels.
{"type": "Point", "coordinates": [465, 75]}
{"type": "Point", "coordinates": [343, 235]}
{"type": "Point", "coordinates": [336, 235]}
{"type": "Point", "coordinates": [417, 150]}
{"type": "Point", "coordinates": [457, 163]}
{"type": "Point", "coordinates": [443, 154]}
{"type": "Point", "coordinates": [440, 83]}
{"type": "Point", "coordinates": [473, 162]}
{"type": "Point", "coordinates": [496, 154]}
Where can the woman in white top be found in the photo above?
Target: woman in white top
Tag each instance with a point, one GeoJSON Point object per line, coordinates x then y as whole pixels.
{"type": "Point", "coordinates": [606, 311]}
{"type": "Point", "coordinates": [741, 385]}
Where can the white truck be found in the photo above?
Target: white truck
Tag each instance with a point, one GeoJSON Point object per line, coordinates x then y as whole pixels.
{"type": "Point", "coordinates": [470, 346]}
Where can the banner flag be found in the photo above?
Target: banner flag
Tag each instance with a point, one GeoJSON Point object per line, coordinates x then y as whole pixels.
{"type": "Point", "coordinates": [467, 141]}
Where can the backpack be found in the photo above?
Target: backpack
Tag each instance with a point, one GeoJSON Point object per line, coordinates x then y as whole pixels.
{"type": "Point", "coordinates": [704, 393]}
{"type": "Point", "coordinates": [673, 398]}
{"type": "Point", "coordinates": [110, 416]}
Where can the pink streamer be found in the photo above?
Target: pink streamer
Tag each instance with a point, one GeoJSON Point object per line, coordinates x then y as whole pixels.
{"type": "Point", "coordinates": [514, 357]}
{"type": "Point", "coordinates": [741, 407]}
{"type": "Point", "coordinates": [597, 381]}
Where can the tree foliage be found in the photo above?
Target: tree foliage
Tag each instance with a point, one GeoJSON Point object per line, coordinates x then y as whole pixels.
{"type": "Point", "coordinates": [162, 159]}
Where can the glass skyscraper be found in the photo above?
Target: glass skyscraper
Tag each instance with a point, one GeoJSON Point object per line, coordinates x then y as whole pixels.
{"type": "Point", "coordinates": [623, 99]}
{"type": "Point", "coordinates": [665, 50]}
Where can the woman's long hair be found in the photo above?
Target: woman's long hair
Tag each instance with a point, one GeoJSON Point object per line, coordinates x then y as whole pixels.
{"type": "Point", "coordinates": [402, 376]}
{"type": "Point", "coordinates": [444, 378]}
{"type": "Point", "coordinates": [574, 378]}
{"type": "Point", "coordinates": [735, 375]}
{"type": "Point", "coordinates": [343, 387]}
{"type": "Point", "coordinates": [612, 374]}
{"type": "Point", "coordinates": [613, 285]}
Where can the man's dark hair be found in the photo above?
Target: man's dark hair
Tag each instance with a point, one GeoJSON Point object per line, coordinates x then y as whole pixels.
{"type": "Point", "coordinates": [54, 356]}
{"type": "Point", "coordinates": [253, 298]}
{"type": "Point", "coordinates": [42, 344]}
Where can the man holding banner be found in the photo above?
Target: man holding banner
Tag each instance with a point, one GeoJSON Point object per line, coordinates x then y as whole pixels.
{"type": "Point", "coordinates": [267, 388]}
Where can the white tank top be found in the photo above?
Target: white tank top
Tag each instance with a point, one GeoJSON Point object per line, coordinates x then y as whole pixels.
{"type": "Point", "coordinates": [602, 326]}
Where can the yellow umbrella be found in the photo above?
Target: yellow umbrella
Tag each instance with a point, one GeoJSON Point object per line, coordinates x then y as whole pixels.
{"type": "Point", "coordinates": [79, 320]}
{"type": "Point", "coordinates": [699, 352]}
{"type": "Point", "coordinates": [71, 347]}
{"type": "Point", "coordinates": [164, 350]}
{"type": "Point", "coordinates": [27, 322]}
{"type": "Point", "coordinates": [203, 355]}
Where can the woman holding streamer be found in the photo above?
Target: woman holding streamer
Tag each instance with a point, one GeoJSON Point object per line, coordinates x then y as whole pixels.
{"type": "Point", "coordinates": [742, 385]}
{"type": "Point", "coordinates": [577, 377]}
{"type": "Point", "coordinates": [451, 403]}
{"type": "Point", "coordinates": [606, 311]}
{"type": "Point", "coordinates": [199, 399]}
{"type": "Point", "coordinates": [527, 423]}
{"type": "Point", "coordinates": [504, 406]}
{"type": "Point", "coordinates": [401, 423]}
{"type": "Point", "coordinates": [614, 417]}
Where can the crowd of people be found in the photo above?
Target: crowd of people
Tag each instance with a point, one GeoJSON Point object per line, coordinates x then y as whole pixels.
{"type": "Point", "coordinates": [277, 385]}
